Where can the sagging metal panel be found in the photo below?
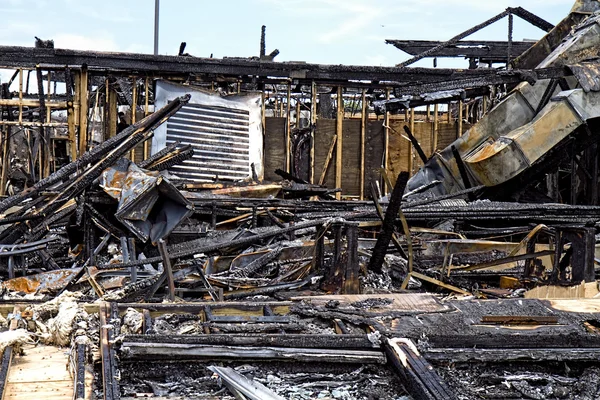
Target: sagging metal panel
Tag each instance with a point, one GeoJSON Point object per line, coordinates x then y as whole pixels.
{"type": "Point", "coordinates": [149, 205]}
{"type": "Point", "coordinates": [225, 133]}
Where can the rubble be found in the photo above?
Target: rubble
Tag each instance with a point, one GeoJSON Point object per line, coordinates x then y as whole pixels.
{"type": "Point", "coordinates": [216, 248]}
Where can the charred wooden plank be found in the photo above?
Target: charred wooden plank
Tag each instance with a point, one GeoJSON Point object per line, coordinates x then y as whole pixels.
{"type": "Point", "coordinates": [162, 351]}
{"type": "Point", "coordinates": [417, 374]}
{"type": "Point", "coordinates": [519, 320]}
{"type": "Point", "coordinates": [108, 354]}
{"type": "Point", "coordinates": [79, 378]}
{"type": "Point", "coordinates": [387, 228]}
{"type": "Point", "coordinates": [485, 50]}
{"type": "Point", "coordinates": [309, 341]}
{"type": "Point", "coordinates": [4, 368]}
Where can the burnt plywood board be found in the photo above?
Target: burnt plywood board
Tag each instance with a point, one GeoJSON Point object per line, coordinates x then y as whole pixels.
{"type": "Point", "coordinates": [374, 142]}
{"type": "Point", "coordinates": [351, 157]}
{"type": "Point", "coordinates": [274, 147]}
{"type": "Point", "coordinates": [324, 134]}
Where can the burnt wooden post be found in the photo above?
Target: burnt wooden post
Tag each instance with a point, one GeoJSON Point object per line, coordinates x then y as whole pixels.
{"type": "Point", "coordinates": [351, 282]}
{"type": "Point", "coordinates": [387, 227]}
{"type": "Point", "coordinates": [146, 322]}
{"type": "Point", "coordinates": [337, 244]}
{"type": "Point", "coordinates": [132, 257]}
{"type": "Point", "coordinates": [162, 248]}
{"type": "Point", "coordinates": [213, 215]}
{"type": "Point", "coordinates": [319, 251]}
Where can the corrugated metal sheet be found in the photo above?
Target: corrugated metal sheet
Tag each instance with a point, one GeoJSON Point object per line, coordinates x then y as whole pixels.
{"type": "Point", "coordinates": [220, 139]}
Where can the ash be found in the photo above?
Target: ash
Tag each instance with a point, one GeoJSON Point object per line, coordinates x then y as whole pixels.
{"type": "Point", "coordinates": [298, 381]}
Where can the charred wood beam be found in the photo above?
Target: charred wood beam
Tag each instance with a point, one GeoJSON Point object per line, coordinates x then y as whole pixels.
{"type": "Point", "coordinates": [79, 378]}
{"type": "Point", "coordinates": [417, 374]}
{"type": "Point", "coordinates": [485, 50]}
{"type": "Point", "coordinates": [532, 18]}
{"type": "Point", "coordinates": [455, 39]}
{"type": "Point", "coordinates": [547, 95]}
{"type": "Point", "coordinates": [309, 341]}
{"type": "Point", "coordinates": [379, 210]}
{"type": "Point", "coordinates": [179, 156]}
{"type": "Point", "coordinates": [387, 228]}
{"type": "Point", "coordinates": [263, 45]}
{"type": "Point", "coordinates": [351, 281]}
{"type": "Point", "coordinates": [127, 63]}
{"type": "Point", "coordinates": [505, 338]}
{"type": "Point", "coordinates": [159, 155]}
{"type": "Point", "coordinates": [4, 368]}
{"type": "Point", "coordinates": [210, 317]}
{"type": "Point", "coordinates": [519, 320]}
{"type": "Point", "coordinates": [461, 168]}
{"type": "Point", "coordinates": [415, 144]}
{"type": "Point", "coordinates": [467, 82]}
{"type": "Point", "coordinates": [109, 367]}
{"type": "Point", "coordinates": [196, 308]}
{"type": "Point", "coordinates": [519, 11]}
{"type": "Point", "coordinates": [187, 351]}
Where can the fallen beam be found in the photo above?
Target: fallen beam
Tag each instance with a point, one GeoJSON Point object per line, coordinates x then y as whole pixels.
{"type": "Point", "coordinates": [305, 341]}
{"type": "Point", "coordinates": [169, 351]}
{"type": "Point", "coordinates": [417, 374]}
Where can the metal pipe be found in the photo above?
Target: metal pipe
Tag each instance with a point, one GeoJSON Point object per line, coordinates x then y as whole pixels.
{"type": "Point", "coordinates": [156, 12]}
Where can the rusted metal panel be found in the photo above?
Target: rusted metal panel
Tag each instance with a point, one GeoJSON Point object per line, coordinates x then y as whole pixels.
{"type": "Point", "coordinates": [45, 282]}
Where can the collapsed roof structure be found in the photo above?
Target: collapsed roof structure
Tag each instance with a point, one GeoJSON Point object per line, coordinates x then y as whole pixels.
{"type": "Point", "coordinates": [244, 228]}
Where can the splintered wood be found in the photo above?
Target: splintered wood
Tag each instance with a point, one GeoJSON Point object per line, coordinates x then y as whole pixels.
{"type": "Point", "coordinates": [41, 373]}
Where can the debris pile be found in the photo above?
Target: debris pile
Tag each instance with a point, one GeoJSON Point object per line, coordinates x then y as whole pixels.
{"type": "Point", "coordinates": [199, 252]}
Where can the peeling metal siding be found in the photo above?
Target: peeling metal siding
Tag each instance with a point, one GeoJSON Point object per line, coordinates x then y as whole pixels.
{"type": "Point", "coordinates": [219, 137]}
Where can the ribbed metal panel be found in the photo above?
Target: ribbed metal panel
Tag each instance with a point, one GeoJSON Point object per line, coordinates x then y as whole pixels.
{"type": "Point", "coordinates": [220, 138]}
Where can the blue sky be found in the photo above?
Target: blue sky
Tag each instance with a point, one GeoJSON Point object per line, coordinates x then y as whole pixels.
{"type": "Point", "coordinates": [319, 31]}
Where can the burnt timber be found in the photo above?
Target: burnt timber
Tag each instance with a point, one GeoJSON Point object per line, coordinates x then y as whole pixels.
{"type": "Point", "coordinates": [487, 51]}
{"type": "Point", "coordinates": [188, 227]}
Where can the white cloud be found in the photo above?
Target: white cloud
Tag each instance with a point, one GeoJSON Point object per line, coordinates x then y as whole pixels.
{"type": "Point", "coordinates": [98, 42]}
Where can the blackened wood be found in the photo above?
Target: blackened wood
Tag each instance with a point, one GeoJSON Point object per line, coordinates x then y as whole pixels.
{"type": "Point", "coordinates": [312, 341]}
{"type": "Point", "coordinates": [416, 373]}
{"type": "Point", "coordinates": [461, 168]}
{"type": "Point", "coordinates": [79, 380]}
{"type": "Point", "coordinates": [4, 368]}
{"type": "Point", "coordinates": [162, 248]}
{"type": "Point", "coordinates": [415, 144]}
{"type": "Point", "coordinates": [147, 322]}
{"type": "Point", "coordinates": [351, 282]}
{"type": "Point", "coordinates": [109, 370]}
{"type": "Point", "coordinates": [168, 351]}
{"type": "Point", "coordinates": [387, 228]}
